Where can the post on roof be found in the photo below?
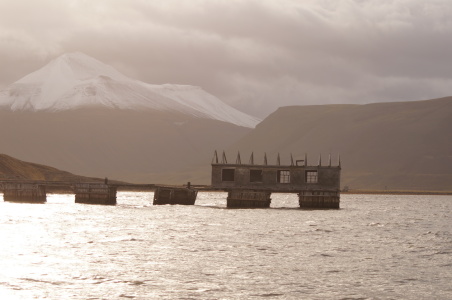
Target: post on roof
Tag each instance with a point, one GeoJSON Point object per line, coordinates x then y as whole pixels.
{"type": "Point", "coordinates": [225, 161]}
{"type": "Point", "coordinates": [278, 160]}
{"type": "Point", "coordinates": [215, 158]}
{"type": "Point", "coordinates": [265, 159]}
{"type": "Point", "coordinates": [238, 161]}
{"type": "Point", "coordinates": [329, 160]}
{"type": "Point", "coordinates": [252, 158]}
{"type": "Point", "coordinates": [339, 160]}
{"type": "Point", "coordinates": [305, 159]}
{"type": "Point", "coordinates": [320, 160]}
{"type": "Point", "coordinates": [291, 160]}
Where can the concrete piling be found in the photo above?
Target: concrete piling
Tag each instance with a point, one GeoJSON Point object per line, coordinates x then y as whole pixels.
{"type": "Point", "coordinates": [175, 195]}
{"type": "Point", "coordinates": [319, 199]}
{"type": "Point", "coordinates": [24, 192]}
{"type": "Point", "coordinates": [248, 199]}
{"type": "Point", "coordinates": [95, 193]}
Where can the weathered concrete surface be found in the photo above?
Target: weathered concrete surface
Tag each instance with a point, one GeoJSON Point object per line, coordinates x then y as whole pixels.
{"type": "Point", "coordinates": [95, 193]}
{"type": "Point", "coordinates": [175, 195]}
{"type": "Point", "coordinates": [24, 192]}
{"type": "Point", "coordinates": [328, 178]}
{"type": "Point", "coordinates": [248, 199]}
{"type": "Point", "coordinates": [319, 199]}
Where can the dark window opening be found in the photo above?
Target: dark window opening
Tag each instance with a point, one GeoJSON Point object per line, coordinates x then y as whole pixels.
{"type": "Point", "coordinates": [284, 176]}
{"type": "Point", "coordinates": [312, 177]}
{"type": "Point", "coordinates": [255, 175]}
{"type": "Point", "coordinates": [228, 175]}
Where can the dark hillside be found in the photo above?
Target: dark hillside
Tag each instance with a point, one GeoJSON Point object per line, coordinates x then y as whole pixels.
{"type": "Point", "coordinates": [406, 145]}
{"type": "Point", "coordinates": [13, 169]}
{"type": "Point", "coordinates": [133, 146]}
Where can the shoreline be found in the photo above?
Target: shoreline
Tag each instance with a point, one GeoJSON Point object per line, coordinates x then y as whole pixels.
{"type": "Point", "coordinates": [128, 187]}
{"type": "Point", "coordinates": [376, 192]}
{"type": "Point", "coordinates": [364, 192]}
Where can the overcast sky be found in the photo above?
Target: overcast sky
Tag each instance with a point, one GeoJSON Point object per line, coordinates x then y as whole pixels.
{"type": "Point", "coordinates": [256, 55]}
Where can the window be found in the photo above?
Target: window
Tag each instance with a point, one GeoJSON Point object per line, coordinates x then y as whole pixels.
{"type": "Point", "coordinates": [284, 176]}
{"type": "Point", "coordinates": [255, 175]}
{"type": "Point", "coordinates": [228, 174]}
{"type": "Point", "coordinates": [311, 177]}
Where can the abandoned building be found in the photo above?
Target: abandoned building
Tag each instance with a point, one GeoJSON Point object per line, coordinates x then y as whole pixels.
{"type": "Point", "coordinates": [250, 185]}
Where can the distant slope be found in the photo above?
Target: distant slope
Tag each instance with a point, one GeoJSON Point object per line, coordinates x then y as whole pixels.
{"type": "Point", "coordinates": [406, 145]}
{"type": "Point", "coordinates": [128, 145]}
{"type": "Point", "coordinates": [14, 169]}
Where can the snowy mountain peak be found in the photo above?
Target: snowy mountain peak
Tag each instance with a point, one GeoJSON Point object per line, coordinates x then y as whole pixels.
{"type": "Point", "coordinates": [76, 80]}
{"type": "Point", "coordinates": [71, 67]}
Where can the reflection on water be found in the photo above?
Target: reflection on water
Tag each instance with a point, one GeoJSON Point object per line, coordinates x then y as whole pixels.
{"type": "Point", "coordinates": [374, 247]}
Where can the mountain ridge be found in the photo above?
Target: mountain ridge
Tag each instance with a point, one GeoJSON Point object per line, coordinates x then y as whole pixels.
{"type": "Point", "coordinates": [401, 145]}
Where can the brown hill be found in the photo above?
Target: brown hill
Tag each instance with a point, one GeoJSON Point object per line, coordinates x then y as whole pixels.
{"type": "Point", "coordinates": [133, 146]}
{"type": "Point", "coordinates": [13, 169]}
{"type": "Point", "coordinates": [406, 145]}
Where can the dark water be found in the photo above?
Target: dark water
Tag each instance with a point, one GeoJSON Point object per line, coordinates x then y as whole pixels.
{"type": "Point", "coordinates": [374, 247]}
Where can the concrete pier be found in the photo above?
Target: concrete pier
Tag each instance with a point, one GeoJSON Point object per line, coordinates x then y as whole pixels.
{"type": "Point", "coordinates": [248, 199]}
{"type": "Point", "coordinates": [319, 199]}
{"type": "Point", "coordinates": [24, 192]}
{"type": "Point", "coordinates": [250, 185]}
{"type": "Point", "coordinates": [95, 193]}
{"type": "Point", "coordinates": [175, 195]}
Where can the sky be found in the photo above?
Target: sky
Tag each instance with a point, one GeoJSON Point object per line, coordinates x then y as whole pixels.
{"type": "Point", "coordinates": [255, 55]}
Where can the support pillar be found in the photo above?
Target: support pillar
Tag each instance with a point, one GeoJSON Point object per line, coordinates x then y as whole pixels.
{"type": "Point", "coordinates": [319, 199]}
{"type": "Point", "coordinates": [175, 195]}
{"type": "Point", "coordinates": [248, 199]}
{"type": "Point", "coordinates": [24, 192]}
{"type": "Point", "coordinates": [95, 193]}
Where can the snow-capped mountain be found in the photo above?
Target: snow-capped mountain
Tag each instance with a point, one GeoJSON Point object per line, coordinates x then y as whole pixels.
{"type": "Point", "coordinates": [77, 80]}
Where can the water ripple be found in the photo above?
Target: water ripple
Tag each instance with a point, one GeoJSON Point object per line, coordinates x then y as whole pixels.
{"type": "Point", "coordinates": [375, 247]}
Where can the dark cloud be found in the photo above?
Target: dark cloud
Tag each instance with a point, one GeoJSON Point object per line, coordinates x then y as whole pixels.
{"type": "Point", "coordinates": [255, 55]}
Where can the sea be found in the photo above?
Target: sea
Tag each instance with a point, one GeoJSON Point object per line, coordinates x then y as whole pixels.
{"type": "Point", "coordinates": [373, 247]}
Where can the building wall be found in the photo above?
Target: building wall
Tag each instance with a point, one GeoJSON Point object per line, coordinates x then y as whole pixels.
{"type": "Point", "coordinates": [328, 178]}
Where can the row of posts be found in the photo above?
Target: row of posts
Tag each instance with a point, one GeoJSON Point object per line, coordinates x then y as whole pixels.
{"type": "Point", "coordinates": [105, 194]}
{"type": "Point", "coordinates": [89, 193]}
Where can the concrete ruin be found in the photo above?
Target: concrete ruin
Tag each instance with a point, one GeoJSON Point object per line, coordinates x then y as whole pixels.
{"type": "Point", "coordinates": [95, 193]}
{"type": "Point", "coordinates": [24, 192]}
{"type": "Point", "coordinates": [317, 186]}
{"type": "Point", "coordinates": [175, 195]}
